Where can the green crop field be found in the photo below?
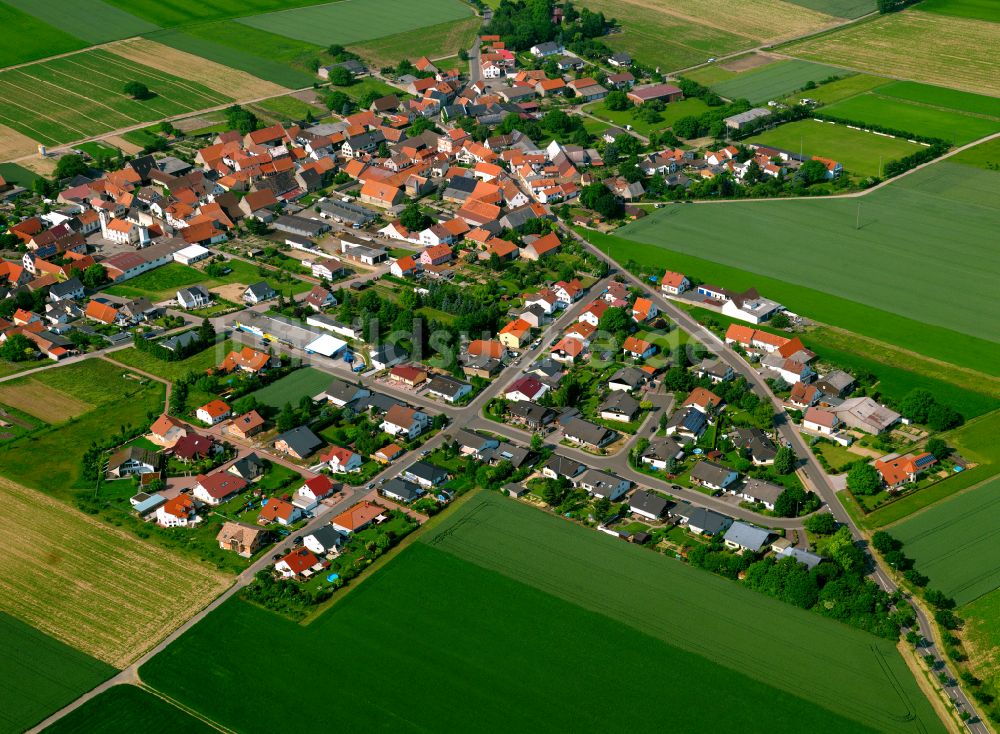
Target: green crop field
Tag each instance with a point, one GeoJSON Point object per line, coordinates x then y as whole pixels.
{"type": "Point", "coordinates": [981, 634]}
{"type": "Point", "coordinates": [839, 8]}
{"type": "Point", "coordinates": [19, 175]}
{"type": "Point", "coordinates": [951, 99]}
{"type": "Point", "coordinates": [265, 55]}
{"type": "Point", "coordinates": [976, 9]}
{"type": "Point", "coordinates": [305, 382]}
{"type": "Point", "coordinates": [288, 108]}
{"type": "Point", "coordinates": [40, 674]}
{"type": "Point", "coordinates": [985, 155]}
{"type": "Point", "coordinates": [954, 542]}
{"type": "Point", "coordinates": [351, 21]}
{"type": "Point", "coordinates": [508, 598]}
{"type": "Point", "coordinates": [127, 708]}
{"type": "Point", "coordinates": [843, 88]}
{"type": "Point", "coordinates": [190, 12]}
{"type": "Point", "coordinates": [858, 151]}
{"type": "Point", "coordinates": [432, 41]}
{"type": "Point", "coordinates": [774, 81]}
{"type": "Point", "coordinates": [92, 20]}
{"type": "Point", "coordinates": [26, 38]}
{"type": "Point", "coordinates": [81, 95]}
{"type": "Point", "coordinates": [944, 203]}
{"type": "Point", "coordinates": [936, 122]}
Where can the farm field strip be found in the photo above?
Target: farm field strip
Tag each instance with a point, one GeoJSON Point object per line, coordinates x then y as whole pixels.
{"type": "Point", "coordinates": [839, 8]}
{"type": "Point", "coordinates": [957, 542]}
{"type": "Point", "coordinates": [351, 21]}
{"type": "Point", "coordinates": [128, 708]}
{"type": "Point", "coordinates": [92, 20]}
{"type": "Point", "coordinates": [27, 38]}
{"type": "Point", "coordinates": [704, 615]}
{"type": "Point", "coordinates": [949, 206]}
{"type": "Point", "coordinates": [96, 588]}
{"type": "Point", "coordinates": [187, 12]}
{"type": "Point", "coordinates": [874, 109]}
{"type": "Point", "coordinates": [942, 98]}
{"type": "Point", "coordinates": [774, 81]}
{"type": "Point", "coordinates": [432, 41]}
{"type": "Point", "coordinates": [38, 399]}
{"type": "Point", "coordinates": [979, 9]}
{"type": "Point", "coordinates": [82, 96]}
{"type": "Point", "coordinates": [40, 674]}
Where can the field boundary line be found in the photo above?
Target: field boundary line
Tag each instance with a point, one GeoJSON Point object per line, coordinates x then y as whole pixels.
{"type": "Point", "coordinates": [932, 505]}
{"type": "Point", "coordinates": [67, 107]}
{"type": "Point", "coordinates": [120, 62]}
{"type": "Point", "coordinates": [53, 120]}
{"type": "Point", "coordinates": [77, 94]}
{"type": "Point", "coordinates": [178, 705]}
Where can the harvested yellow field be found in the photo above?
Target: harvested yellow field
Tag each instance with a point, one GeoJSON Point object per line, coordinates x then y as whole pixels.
{"type": "Point", "coordinates": [764, 20]}
{"type": "Point", "coordinates": [15, 145]}
{"type": "Point", "coordinates": [925, 47]}
{"type": "Point", "coordinates": [123, 145]}
{"type": "Point", "coordinates": [96, 588]}
{"type": "Point", "coordinates": [228, 81]}
{"type": "Point", "coordinates": [46, 403]}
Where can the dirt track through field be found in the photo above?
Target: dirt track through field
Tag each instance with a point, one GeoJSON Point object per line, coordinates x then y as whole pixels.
{"type": "Point", "coordinates": [231, 82]}
{"type": "Point", "coordinates": [90, 585]}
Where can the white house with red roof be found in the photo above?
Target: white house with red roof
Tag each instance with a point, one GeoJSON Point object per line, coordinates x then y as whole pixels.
{"type": "Point", "coordinates": [341, 460]}
{"type": "Point", "coordinates": [526, 388]}
{"type": "Point", "coordinates": [300, 563]}
{"type": "Point", "coordinates": [314, 491]}
{"type": "Point", "coordinates": [673, 283]}
{"type": "Point", "coordinates": [217, 488]}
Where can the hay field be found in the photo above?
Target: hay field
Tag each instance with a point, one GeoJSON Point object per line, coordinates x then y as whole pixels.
{"type": "Point", "coordinates": [759, 19]}
{"type": "Point", "coordinates": [225, 80]}
{"type": "Point", "coordinates": [98, 589]}
{"type": "Point", "coordinates": [46, 403]}
{"type": "Point", "coordinates": [927, 47]}
{"type": "Point", "coordinates": [14, 144]}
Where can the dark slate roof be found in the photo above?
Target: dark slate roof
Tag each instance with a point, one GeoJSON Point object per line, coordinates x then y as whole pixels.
{"type": "Point", "coordinates": [301, 440]}
{"type": "Point", "coordinates": [648, 502]}
{"type": "Point", "coordinates": [424, 470]}
{"type": "Point", "coordinates": [406, 491]}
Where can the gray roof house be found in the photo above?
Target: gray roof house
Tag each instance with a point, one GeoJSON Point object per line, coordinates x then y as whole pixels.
{"type": "Point", "coordinates": [811, 560]}
{"type": "Point", "coordinates": [300, 225]}
{"type": "Point", "coordinates": [448, 388]}
{"type": "Point", "coordinates": [425, 474]}
{"type": "Point", "coordinates": [619, 406]}
{"type": "Point", "coordinates": [746, 537]}
{"type": "Point", "coordinates": [660, 451]}
{"type": "Point", "coordinates": [299, 442]}
{"type": "Point", "coordinates": [836, 383]}
{"type": "Point", "coordinates": [687, 422]}
{"type": "Point", "coordinates": [258, 292]}
{"type": "Point", "coordinates": [760, 490]}
{"type": "Point", "coordinates": [340, 393]}
{"type": "Point", "coordinates": [589, 434]}
{"type": "Point", "coordinates": [712, 475]}
{"type": "Point", "coordinates": [401, 490]}
{"type": "Point", "coordinates": [470, 442]}
{"type": "Point", "coordinates": [562, 466]}
{"type": "Point", "coordinates": [66, 290]}
{"type": "Point", "coordinates": [760, 446]}
{"type": "Point", "coordinates": [627, 379]}
{"type": "Point", "coordinates": [249, 468]}
{"type": "Point", "coordinates": [745, 119]}
{"type": "Point", "coordinates": [197, 296]}
{"type": "Point", "coordinates": [601, 484]}
{"type": "Point", "coordinates": [648, 505]}
{"type": "Point", "coordinates": [515, 455]}
{"type": "Point", "coordinates": [324, 540]}
{"type": "Point", "coordinates": [702, 520]}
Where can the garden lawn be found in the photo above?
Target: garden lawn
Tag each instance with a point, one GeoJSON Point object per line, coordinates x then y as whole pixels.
{"type": "Point", "coordinates": [81, 95]}
{"type": "Point", "coordinates": [954, 542]}
{"type": "Point", "coordinates": [40, 674]}
{"type": "Point", "coordinates": [159, 284]}
{"type": "Point", "coordinates": [352, 21]}
{"type": "Point", "coordinates": [128, 708]}
{"type": "Point", "coordinates": [837, 456]}
{"type": "Point", "coordinates": [944, 213]}
{"type": "Point", "coordinates": [671, 114]}
{"type": "Point", "coordinates": [935, 122]}
{"type": "Point", "coordinates": [861, 153]}
{"type": "Point", "coordinates": [92, 20]}
{"type": "Point", "coordinates": [774, 81]}
{"type": "Point", "coordinates": [173, 371]}
{"type": "Point", "coordinates": [678, 625]}
{"type": "Point", "coordinates": [304, 382]}
{"type": "Point", "coordinates": [26, 38]}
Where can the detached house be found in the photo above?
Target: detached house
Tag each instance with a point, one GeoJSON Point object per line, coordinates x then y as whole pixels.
{"type": "Point", "coordinates": [402, 420]}
{"type": "Point", "coordinates": [212, 412]}
{"type": "Point", "coordinates": [178, 512]}
{"type": "Point", "coordinates": [217, 488]}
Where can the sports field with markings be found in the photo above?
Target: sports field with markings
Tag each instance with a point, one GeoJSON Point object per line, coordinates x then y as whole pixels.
{"type": "Point", "coordinates": [82, 95]}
